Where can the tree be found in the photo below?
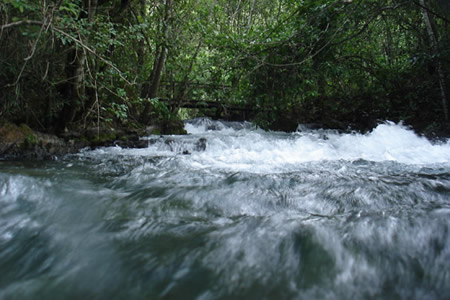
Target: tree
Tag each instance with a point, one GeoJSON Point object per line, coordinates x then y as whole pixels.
{"type": "Point", "coordinates": [436, 53]}
{"type": "Point", "coordinates": [89, 62]}
{"type": "Point", "coordinates": [160, 58]}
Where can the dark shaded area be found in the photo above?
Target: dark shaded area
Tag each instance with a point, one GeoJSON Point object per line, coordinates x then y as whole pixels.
{"type": "Point", "coordinates": [68, 66]}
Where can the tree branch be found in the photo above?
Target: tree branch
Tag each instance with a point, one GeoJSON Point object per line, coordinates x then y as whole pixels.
{"type": "Point", "coordinates": [366, 25]}
{"type": "Point", "coordinates": [26, 22]}
{"type": "Point", "coordinates": [431, 12]}
{"type": "Point", "coordinates": [93, 52]}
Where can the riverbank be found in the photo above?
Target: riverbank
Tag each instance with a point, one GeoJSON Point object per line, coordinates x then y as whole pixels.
{"type": "Point", "coordinates": [21, 142]}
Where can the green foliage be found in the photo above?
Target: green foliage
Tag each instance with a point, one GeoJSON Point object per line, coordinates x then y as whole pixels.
{"type": "Point", "coordinates": [22, 6]}
{"type": "Point", "coordinates": [306, 61]}
{"type": "Point", "coordinates": [119, 111]}
{"type": "Point", "coordinates": [161, 111]}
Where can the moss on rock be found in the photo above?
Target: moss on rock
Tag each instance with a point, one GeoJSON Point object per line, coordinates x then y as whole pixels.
{"type": "Point", "coordinates": [175, 126]}
{"type": "Point", "coordinates": [22, 142]}
{"type": "Point", "coordinates": [11, 133]}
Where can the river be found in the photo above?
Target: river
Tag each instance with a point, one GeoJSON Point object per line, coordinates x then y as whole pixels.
{"type": "Point", "coordinates": [232, 212]}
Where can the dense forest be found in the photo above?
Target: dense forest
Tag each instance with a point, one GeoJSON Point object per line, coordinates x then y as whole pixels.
{"type": "Point", "coordinates": [127, 63]}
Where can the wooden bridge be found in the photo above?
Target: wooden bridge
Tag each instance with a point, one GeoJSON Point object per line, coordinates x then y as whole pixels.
{"type": "Point", "coordinates": [211, 108]}
{"type": "Point", "coordinates": [216, 108]}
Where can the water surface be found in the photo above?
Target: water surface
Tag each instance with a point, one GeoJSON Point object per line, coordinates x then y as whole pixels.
{"type": "Point", "coordinates": [257, 215]}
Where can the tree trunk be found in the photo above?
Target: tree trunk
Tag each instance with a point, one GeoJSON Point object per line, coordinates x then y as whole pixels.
{"type": "Point", "coordinates": [184, 86]}
{"type": "Point", "coordinates": [249, 23]}
{"type": "Point", "coordinates": [153, 92]}
{"type": "Point", "coordinates": [159, 64]}
{"type": "Point", "coordinates": [75, 90]}
{"type": "Point", "coordinates": [435, 49]}
{"type": "Point", "coordinates": [145, 92]}
{"type": "Point", "coordinates": [141, 52]}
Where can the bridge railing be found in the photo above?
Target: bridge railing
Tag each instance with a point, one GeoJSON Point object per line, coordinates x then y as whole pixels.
{"type": "Point", "coordinates": [194, 91]}
{"type": "Point", "coordinates": [215, 100]}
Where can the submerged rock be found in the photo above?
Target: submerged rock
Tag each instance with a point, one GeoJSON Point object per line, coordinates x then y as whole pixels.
{"type": "Point", "coordinates": [171, 144]}
{"type": "Point", "coordinates": [200, 145]}
{"type": "Point", "coordinates": [131, 143]}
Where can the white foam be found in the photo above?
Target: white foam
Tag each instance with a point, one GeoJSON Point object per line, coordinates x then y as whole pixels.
{"type": "Point", "coordinates": [257, 151]}
{"type": "Point", "coordinates": [243, 148]}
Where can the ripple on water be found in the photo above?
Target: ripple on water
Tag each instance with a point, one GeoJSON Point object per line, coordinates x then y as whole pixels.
{"type": "Point", "coordinates": [257, 215]}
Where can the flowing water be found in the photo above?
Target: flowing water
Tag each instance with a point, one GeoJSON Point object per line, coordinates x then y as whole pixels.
{"type": "Point", "coordinates": [255, 215]}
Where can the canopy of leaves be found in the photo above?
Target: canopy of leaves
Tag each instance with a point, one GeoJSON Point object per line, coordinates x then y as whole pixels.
{"type": "Point", "coordinates": [339, 63]}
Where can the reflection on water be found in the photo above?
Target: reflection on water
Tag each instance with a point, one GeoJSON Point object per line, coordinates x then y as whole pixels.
{"type": "Point", "coordinates": [309, 215]}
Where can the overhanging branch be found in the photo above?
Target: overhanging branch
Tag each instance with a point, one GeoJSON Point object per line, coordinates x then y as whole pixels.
{"type": "Point", "coordinates": [80, 43]}
{"type": "Point", "coordinates": [431, 12]}
{"type": "Point", "coordinates": [77, 41]}
{"type": "Point", "coordinates": [25, 22]}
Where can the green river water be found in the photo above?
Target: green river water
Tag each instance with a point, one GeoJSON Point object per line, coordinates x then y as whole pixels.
{"type": "Point", "coordinates": [255, 215]}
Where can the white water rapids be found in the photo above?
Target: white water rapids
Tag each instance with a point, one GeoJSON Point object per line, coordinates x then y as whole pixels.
{"type": "Point", "coordinates": [245, 148]}
{"type": "Point", "coordinates": [232, 212]}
